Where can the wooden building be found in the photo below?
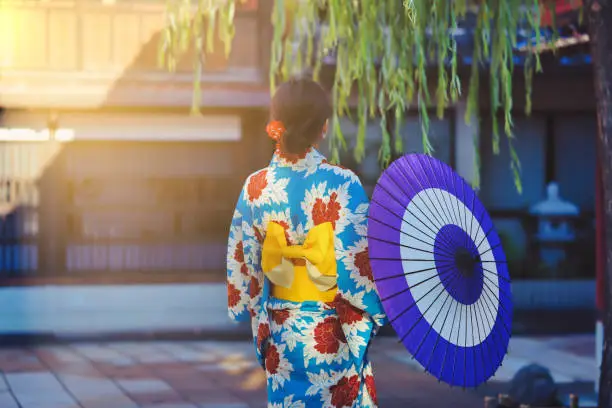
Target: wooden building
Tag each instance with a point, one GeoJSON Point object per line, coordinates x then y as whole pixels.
{"type": "Point", "coordinates": [104, 174]}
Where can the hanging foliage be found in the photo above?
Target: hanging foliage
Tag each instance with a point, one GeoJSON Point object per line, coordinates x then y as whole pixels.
{"type": "Point", "coordinates": [388, 56]}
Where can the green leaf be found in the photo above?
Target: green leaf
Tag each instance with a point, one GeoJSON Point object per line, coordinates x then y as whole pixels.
{"type": "Point", "coordinates": [384, 50]}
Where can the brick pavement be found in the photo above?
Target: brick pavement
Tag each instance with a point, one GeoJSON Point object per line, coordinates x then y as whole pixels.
{"type": "Point", "coordinates": [183, 375]}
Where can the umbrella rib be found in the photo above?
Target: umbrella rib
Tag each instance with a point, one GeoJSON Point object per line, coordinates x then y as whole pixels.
{"type": "Point", "coordinates": [441, 329]}
{"type": "Point", "coordinates": [435, 174]}
{"type": "Point", "coordinates": [403, 206]}
{"type": "Point", "coordinates": [457, 343]}
{"type": "Point", "coordinates": [410, 287]}
{"type": "Point", "coordinates": [421, 298]}
{"type": "Point", "coordinates": [433, 205]}
{"type": "Point", "coordinates": [499, 302]}
{"type": "Point", "coordinates": [494, 285]}
{"type": "Point", "coordinates": [401, 217]}
{"type": "Point", "coordinates": [454, 202]}
{"type": "Point", "coordinates": [485, 236]}
{"type": "Point", "coordinates": [456, 205]}
{"type": "Point", "coordinates": [473, 318]}
{"type": "Point", "coordinates": [486, 345]}
{"type": "Point", "coordinates": [399, 230]}
{"type": "Point", "coordinates": [490, 314]}
{"type": "Point", "coordinates": [491, 248]}
{"type": "Point", "coordinates": [497, 336]}
{"type": "Point", "coordinates": [407, 222]}
{"type": "Point", "coordinates": [402, 259]}
{"type": "Point", "coordinates": [448, 342]}
{"type": "Point", "coordinates": [496, 274]}
{"type": "Point", "coordinates": [415, 177]}
{"type": "Point", "coordinates": [479, 220]}
{"type": "Point", "coordinates": [455, 191]}
{"type": "Point", "coordinates": [465, 350]}
{"type": "Point", "coordinates": [428, 180]}
{"type": "Point", "coordinates": [489, 302]}
{"type": "Point", "coordinates": [403, 245]}
{"type": "Point", "coordinates": [431, 324]}
{"type": "Point", "coordinates": [426, 310]}
{"type": "Point", "coordinates": [404, 274]}
{"type": "Point", "coordinates": [482, 216]}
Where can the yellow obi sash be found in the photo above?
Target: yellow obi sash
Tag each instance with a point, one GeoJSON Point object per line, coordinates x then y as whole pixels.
{"type": "Point", "coordinates": [301, 273]}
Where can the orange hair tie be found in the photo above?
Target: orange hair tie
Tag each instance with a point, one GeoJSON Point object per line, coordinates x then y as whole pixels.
{"type": "Point", "coordinates": [275, 130]}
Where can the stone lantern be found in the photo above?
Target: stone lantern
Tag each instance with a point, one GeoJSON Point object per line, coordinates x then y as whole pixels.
{"type": "Point", "coordinates": [555, 227]}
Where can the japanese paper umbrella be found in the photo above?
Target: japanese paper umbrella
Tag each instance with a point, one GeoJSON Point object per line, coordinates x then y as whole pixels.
{"type": "Point", "coordinates": [440, 270]}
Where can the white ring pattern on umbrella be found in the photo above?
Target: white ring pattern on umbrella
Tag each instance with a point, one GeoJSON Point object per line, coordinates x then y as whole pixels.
{"type": "Point", "coordinates": [461, 331]}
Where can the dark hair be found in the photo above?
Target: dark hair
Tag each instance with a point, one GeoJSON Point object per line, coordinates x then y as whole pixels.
{"type": "Point", "coordinates": [303, 106]}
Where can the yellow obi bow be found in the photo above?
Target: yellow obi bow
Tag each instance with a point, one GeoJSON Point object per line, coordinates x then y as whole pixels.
{"type": "Point", "coordinates": [314, 278]}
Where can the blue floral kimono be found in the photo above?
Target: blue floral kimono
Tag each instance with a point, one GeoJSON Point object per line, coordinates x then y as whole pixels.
{"type": "Point", "coordinates": [314, 353]}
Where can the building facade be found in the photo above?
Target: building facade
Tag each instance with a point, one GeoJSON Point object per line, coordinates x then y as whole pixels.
{"type": "Point", "coordinates": [105, 178]}
{"type": "Point", "coordinates": [105, 175]}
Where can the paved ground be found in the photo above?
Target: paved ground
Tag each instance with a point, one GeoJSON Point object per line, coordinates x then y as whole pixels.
{"type": "Point", "coordinates": [570, 359]}
{"type": "Point", "coordinates": [223, 374]}
{"type": "Point", "coordinates": [182, 375]}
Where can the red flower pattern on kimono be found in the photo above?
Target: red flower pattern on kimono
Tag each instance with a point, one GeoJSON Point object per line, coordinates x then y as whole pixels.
{"type": "Point", "coordinates": [257, 184]}
{"type": "Point", "coordinates": [233, 295]}
{"type": "Point", "coordinates": [371, 387]}
{"type": "Point", "coordinates": [254, 289]}
{"type": "Point", "coordinates": [280, 316]}
{"type": "Point", "coordinates": [263, 333]}
{"type": "Point", "coordinates": [345, 392]}
{"type": "Point", "coordinates": [326, 212]}
{"type": "Point", "coordinates": [347, 313]}
{"type": "Point", "coordinates": [272, 360]}
{"type": "Point", "coordinates": [362, 262]}
{"type": "Point", "coordinates": [328, 335]}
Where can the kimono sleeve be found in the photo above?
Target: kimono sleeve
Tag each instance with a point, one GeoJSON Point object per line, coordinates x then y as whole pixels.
{"type": "Point", "coordinates": [358, 303]}
{"type": "Point", "coordinates": [240, 287]}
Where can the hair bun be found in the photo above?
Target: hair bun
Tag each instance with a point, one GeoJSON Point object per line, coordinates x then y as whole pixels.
{"type": "Point", "coordinates": [302, 106]}
{"type": "Point", "coordinates": [275, 130]}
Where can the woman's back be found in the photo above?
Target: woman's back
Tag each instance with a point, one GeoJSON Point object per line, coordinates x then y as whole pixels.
{"type": "Point", "coordinates": [298, 268]}
{"type": "Point", "coordinates": [303, 194]}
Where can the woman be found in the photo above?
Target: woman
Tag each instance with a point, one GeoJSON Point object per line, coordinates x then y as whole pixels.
{"type": "Point", "coordinates": [298, 264]}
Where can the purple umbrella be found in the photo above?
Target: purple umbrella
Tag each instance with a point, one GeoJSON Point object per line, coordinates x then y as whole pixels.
{"type": "Point", "coordinates": [440, 270]}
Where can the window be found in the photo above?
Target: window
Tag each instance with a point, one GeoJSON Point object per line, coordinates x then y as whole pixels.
{"type": "Point", "coordinates": [551, 147]}
{"type": "Point", "coordinates": [497, 181]}
{"type": "Point", "coordinates": [440, 137]}
{"type": "Point", "coordinates": [574, 158]}
{"type": "Point", "coordinates": [369, 170]}
{"type": "Point", "coordinates": [148, 206]}
{"type": "Point", "coordinates": [19, 206]}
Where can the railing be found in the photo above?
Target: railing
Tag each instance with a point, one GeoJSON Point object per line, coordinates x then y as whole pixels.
{"type": "Point", "coordinates": [106, 209]}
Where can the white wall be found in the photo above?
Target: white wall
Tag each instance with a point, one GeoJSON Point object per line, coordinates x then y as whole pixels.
{"type": "Point", "coordinates": [64, 310]}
